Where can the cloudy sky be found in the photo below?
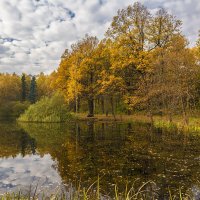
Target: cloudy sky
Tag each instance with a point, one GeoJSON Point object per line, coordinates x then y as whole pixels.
{"type": "Point", "coordinates": [34, 33]}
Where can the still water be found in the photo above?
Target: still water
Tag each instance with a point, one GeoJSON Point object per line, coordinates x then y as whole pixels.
{"type": "Point", "coordinates": [56, 156]}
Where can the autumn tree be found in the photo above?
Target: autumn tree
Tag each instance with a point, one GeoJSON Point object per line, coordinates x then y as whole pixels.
{"type": "Point", "coordinates": [11, 96]}
{"type": "Point", "coordinates": [111, 87]}
{"type": "Point", "coordinates": [135, 34]}
{"type": "Point", "coordinates": [44, 85]}
{"type": "Point", "coordinates": [10, 88]}
{"type": "Point", "coordinates": [131, 23]}
{"type": "Point", "coordinates": [128, 33]}
{"type": "Point", "coordinates": [67, 77]}
{"type": "Point", "coordinates": [174, 89]}
{"type": "Point", "coordinates": [143, 63]}
{"type": "Point", "coordinates": [78, 72]}
{"type": "Point", "coordinates": [161, 29]}
{"type": "Point", "coordinates": [182, 74]}
{"type": "Point", "coordinates": [196, 52]}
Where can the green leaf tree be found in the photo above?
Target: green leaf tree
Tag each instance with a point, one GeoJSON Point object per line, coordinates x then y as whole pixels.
{"type": "Point", "coordinates": [23, 87]}
{"type": "Point", "coordinates": [33, 90]}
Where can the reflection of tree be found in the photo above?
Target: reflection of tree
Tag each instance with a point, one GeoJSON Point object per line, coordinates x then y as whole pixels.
{"type": "Point", "coordinates": [90, 131]}
{"type": "Point", "coordinates": [14, 140]}
{"type": "Point", "coordinates": [119, 152]}
{"type": "Point", "coordinates": [28, 144]}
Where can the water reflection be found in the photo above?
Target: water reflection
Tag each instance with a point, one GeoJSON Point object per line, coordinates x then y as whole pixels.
{"type": "Point", "coordinates": [116, 151]}
{"type": "Point", "coordinates": [22, 172]}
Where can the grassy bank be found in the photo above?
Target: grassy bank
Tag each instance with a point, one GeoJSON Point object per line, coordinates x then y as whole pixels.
{"type": "Point", "coordinates": [158, 121]}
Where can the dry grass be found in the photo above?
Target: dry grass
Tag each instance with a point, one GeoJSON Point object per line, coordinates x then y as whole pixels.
{"type": "Point", "coordinates": [143, 192]}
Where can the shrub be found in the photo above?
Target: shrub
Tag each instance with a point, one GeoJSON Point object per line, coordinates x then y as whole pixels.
{"type": "Point", "coordinates": [13, 109]}
{"type": "Point", "coordinates": [19, 108]}
{"type": "Point", "coordinates": [48, 109]}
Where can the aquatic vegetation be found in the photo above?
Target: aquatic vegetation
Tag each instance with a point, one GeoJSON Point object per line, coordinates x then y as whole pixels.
{"type": "Point", "coordinates": [192, 127]}
{"type": "Point", "coordinates": [165, 124]}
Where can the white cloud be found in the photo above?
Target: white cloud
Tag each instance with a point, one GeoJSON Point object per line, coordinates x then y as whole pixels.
{"type": "Point", "coordinates": [34, 34]}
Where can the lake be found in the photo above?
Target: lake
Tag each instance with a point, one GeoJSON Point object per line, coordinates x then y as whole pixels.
{"type": "Point", "coordinates": [56, 156]}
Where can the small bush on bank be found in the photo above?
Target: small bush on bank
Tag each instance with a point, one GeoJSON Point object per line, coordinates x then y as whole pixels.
{"type": "Point", "coordinates": [48, 109]}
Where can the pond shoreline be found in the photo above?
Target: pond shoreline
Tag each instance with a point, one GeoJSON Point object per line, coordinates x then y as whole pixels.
{"type": "Point", "coordinates": [158, 121]}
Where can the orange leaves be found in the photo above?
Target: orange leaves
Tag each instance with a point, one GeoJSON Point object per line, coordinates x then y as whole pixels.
{"type": "Point", "coordinates": [111, 84]}
{"type": "Point", "coordinates": [77, 71]}
{"type": "Point", "coordinates": [10, 87]}
{"type": "Point", "coordinates": [138, 61]}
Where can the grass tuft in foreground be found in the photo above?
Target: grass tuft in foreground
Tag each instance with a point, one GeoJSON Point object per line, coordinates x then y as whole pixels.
{"type": "Point", "coordinates": [147, 191]}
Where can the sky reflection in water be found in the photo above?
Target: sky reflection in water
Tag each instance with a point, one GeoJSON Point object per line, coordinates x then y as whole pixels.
{"type": "Point", "coordinates": [22, 172]}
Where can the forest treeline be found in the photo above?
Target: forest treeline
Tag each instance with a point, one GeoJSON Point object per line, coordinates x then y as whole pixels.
{"type": "Point", "coordinates": [18, 92]}
{"type": "Point", "coordinates": [144, 64]}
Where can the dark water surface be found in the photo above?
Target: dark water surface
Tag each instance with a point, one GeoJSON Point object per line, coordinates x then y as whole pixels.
{"type": "Point", "coordinates": [61, 155]}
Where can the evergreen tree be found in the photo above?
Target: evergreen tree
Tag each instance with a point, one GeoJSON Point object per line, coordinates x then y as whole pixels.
{"type": "Point", "coordinates": [33, 86]}
{"type": "Point", "coordinates": [23, 87]}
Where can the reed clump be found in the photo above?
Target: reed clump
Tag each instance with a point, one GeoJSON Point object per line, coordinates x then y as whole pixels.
{"type": "Point", "coordinates": [147, 191]}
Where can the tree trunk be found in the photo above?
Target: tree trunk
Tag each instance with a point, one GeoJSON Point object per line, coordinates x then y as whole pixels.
{"type": "Point", "coordinates": [76, 105]}
{"type": "Point", "coordinates": [151, 118]}
{"type": "Point", "coordinates": [185, 117]}
{"type": "Point", "coordinates": [79, 105]}
{"type": "Point", "coordinates": [102, 105]}
{"type": "Point", "coordinates": [186, 120]}
{"type": "Point", "coordinates": [112, 107]}
{"type": "Point", "coordinates": [170, 117]}
{"type": "Point", "coordinates": [150, 112]}
{"type": "Point", "coordinates": [91, 107]}
{"type": "Point", "coordinates": [129, 111]}
{"type": "Point", "coordinates": [76, 102]}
